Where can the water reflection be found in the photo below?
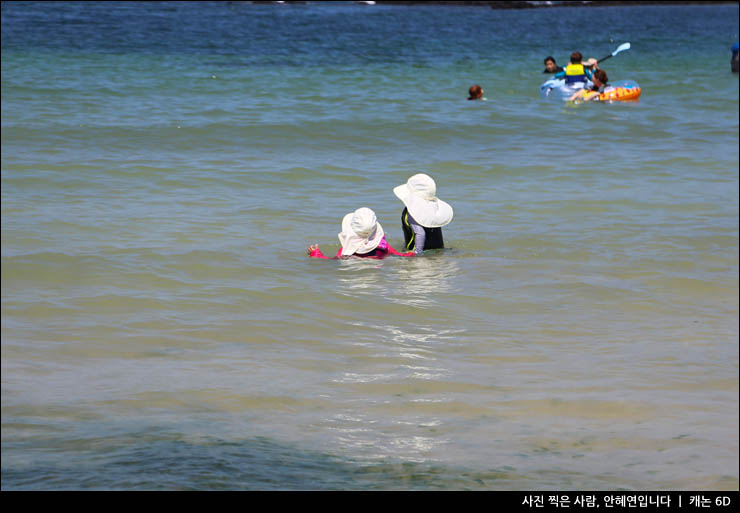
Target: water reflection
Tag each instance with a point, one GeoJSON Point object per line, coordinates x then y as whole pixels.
{"type": "Point", "coordinates": [393, 393]}
{"type": "Point", "coordinates": [369, 438]}
{"type": "Point", "coordinates": [357, 277]}
{"type": "Point", "coordinates": [422, 280]}
{"type": "Point", "coordinates": [399, 393]}
{"type": "Point", "coordinates": [416, 282]}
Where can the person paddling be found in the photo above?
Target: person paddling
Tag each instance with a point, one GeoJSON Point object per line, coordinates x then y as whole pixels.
{"type": "Point", "coordinates": [575, 71]}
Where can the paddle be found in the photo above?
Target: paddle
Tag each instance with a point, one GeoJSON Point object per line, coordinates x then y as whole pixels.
{"type": "Point", "coordinates": [622, 47]}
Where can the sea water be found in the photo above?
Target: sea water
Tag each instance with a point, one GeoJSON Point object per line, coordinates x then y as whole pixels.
{"type": "Point", "coordinates": [165, 166]}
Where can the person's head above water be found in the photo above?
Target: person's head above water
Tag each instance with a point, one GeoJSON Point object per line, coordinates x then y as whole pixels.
{"type": "Point", "coordinates": [600, 78]}
{"type": "Point", "coordinates": [550, 65]}
{"type": "Point", "coordinates": [475, 92]}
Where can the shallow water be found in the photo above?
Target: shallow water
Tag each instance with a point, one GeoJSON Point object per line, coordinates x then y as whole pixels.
{"type": "Point", "coordinates": [165, 165]}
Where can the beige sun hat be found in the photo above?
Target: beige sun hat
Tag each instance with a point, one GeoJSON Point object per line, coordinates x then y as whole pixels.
{"type": "Point", "coordinates": [418, 194]}
{"type": "Point", "coordinates": [361, 232]}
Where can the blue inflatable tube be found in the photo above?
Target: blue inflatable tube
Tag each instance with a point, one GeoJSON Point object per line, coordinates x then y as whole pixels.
{"type": "Point", "coordinates": [557, 89]}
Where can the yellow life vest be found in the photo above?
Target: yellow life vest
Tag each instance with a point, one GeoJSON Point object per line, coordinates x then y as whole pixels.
{"type": "Point", "coordinates": [575, 73]}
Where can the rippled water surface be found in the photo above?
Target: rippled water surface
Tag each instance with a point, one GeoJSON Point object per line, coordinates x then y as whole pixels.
{"type": "Point", "coordinates": [165, 165]}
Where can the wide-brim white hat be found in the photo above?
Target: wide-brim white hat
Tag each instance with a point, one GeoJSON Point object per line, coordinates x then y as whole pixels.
{"type": "Point", "coordinates": [419, 196]}
{"type": "Point", "coordinates": [361, 232]}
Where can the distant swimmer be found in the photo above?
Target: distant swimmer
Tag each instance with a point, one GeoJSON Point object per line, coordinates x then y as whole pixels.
{"type": "Point", "coordinates": [423, 215]}
{"type": "Point", "coordinates": [475, 93]}
{"type": "Point", "coordinates": [361, 236]}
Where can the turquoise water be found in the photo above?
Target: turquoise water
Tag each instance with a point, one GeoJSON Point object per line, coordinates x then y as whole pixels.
{"type": "Point", "coordinates": [166, 165]}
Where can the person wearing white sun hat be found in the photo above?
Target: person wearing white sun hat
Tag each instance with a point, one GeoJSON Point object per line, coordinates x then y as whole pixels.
{"type": "Point", "coordinates": [361, 236]}
{"type": "Point", "coordinates": [424, 214]}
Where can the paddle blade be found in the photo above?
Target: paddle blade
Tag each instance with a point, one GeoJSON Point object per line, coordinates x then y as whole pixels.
{"type": "Point", "coordinates": [622, 47]}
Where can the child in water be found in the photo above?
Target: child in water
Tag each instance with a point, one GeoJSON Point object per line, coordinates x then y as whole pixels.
{"type": "Point", "coordinates": [361, 236]}
{"type": "Point", "coordinates": [423, 215]}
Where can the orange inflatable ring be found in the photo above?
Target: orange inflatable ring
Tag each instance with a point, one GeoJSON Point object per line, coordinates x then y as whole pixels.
{"type": "Point", "coordinates": [623, 91]}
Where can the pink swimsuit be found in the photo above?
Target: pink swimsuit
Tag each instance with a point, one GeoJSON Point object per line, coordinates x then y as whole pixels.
{"type": "Point", "coordinates": [383, 250]}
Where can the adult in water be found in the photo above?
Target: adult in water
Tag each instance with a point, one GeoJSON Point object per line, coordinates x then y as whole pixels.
{"type": "Point", "coordinates": [423, 215]}
{"type": "Point", "coordinates": [361, 236]}
{"type": "Point", "coordinates": [551, 66]}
